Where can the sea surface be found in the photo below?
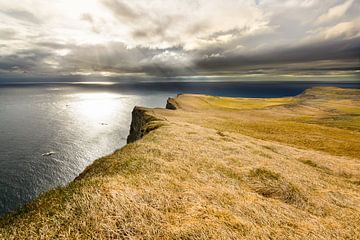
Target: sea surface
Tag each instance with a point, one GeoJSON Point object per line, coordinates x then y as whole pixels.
{"type": "Point", "coordinates": [49, 132]}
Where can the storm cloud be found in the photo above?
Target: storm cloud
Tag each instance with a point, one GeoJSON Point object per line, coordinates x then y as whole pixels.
{"type": "Point", "coordinates": [179, 38]}
{"type": "Point", "coordinates": [339, 50]}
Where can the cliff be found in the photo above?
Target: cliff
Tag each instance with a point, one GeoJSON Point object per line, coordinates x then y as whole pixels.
{"type": "Point", "coordinates": [216, 168]}
{"type": "Point", "coordinates": [171, 104]}
{"type": "Point", "coordinates": [141, 124]}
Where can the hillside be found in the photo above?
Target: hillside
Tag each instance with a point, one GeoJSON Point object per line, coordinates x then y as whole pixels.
{"type": "Point", "coordinates": [216, 168]}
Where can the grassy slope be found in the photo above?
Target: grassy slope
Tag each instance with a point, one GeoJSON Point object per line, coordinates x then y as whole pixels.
{"type": "Point", "coordinates": [218, 168]}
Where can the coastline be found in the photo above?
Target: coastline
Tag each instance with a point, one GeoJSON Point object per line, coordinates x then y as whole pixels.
{"type": "Point", "coordinates": [208, 163]}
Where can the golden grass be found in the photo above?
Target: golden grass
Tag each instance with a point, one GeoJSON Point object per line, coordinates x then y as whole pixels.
{"type": "Point", "coordinates": [215, 169]}
{"type": "Point", "coordinates": [318, 119]}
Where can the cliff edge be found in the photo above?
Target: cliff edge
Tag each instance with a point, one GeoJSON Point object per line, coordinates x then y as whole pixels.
{"type": "Point", "coordinates": [141, 124]}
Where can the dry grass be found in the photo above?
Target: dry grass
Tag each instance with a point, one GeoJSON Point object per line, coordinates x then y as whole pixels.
{"type": "Point", "coordinates": [206, 173]}
{"type": "Point", "coordinates": [320, 119]}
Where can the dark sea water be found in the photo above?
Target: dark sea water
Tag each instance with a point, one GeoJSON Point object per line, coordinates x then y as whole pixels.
{"type": "Point", "coordinates": [79, 123]}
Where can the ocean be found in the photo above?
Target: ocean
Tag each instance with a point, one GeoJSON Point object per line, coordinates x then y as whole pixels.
{"type": "Point", "coordinates": [50, 132]}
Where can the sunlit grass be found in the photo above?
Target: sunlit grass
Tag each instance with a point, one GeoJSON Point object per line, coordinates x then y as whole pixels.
{"type": "Point", "coordinates": [321, 124]}
{"type": "Point", "coordinates": [245, 103]}
{"type": "Point", "coordinates": [333, 140]}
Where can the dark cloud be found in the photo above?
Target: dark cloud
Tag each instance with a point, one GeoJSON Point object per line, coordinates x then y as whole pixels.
{"type": "Point", "coordinates": [144, 24]}
{"type": "Point", "coordinates": [22, 15]}
{"type": "Point", "coordinates": [234, 32]}
{"type": "Point", "coordinates": [115, 57]}
{"type": "Point", "coordinates": [24, 61]}
{"type": "Point", "coordinates": [122, 10]}
{"type": "Point", "coordinates": [157, 28]}
{"type": "Point", "coordinates": [7, 34]}
{"type": "Point", "coordinates": [281, 58]}
{"type": "Point", "coordinates": [315, 59]}
{"type": "Point", "coordinates": [53, 45]}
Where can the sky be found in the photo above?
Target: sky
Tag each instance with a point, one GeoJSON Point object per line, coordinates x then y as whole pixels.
{"type": "Point", "coordinates": [183, 39]}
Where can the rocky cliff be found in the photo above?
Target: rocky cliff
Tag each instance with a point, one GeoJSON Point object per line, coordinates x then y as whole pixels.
{"type": "Point", "coordinates": [141, 124]}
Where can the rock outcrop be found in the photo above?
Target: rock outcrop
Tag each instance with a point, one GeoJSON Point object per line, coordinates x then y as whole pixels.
{"type": "Point", "coordinates": [171, 104]}
{"type": "Point", "coordinates": [141, 124]}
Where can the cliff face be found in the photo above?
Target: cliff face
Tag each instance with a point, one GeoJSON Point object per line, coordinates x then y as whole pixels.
{"type": "Point", "coordinates": [141, 124]}
{"type": "Point", "coordinates": [171, 104]}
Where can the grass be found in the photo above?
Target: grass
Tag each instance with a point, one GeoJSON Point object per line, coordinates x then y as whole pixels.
{"type": "Point", "coordinates": [308, 136]}
{"type": "Point", "coordinates": [314, 120]}
{"type": "Point", "coordinates": [244, 103]}
{"type": "Point", "coordinates": [272, 185]}
{"type": "Point", "coordinates": [215, 168]}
